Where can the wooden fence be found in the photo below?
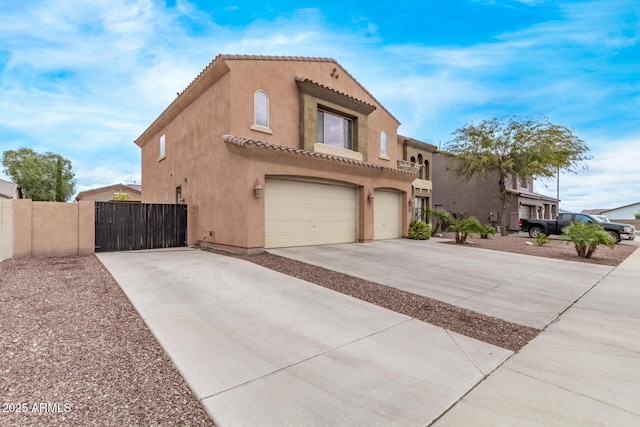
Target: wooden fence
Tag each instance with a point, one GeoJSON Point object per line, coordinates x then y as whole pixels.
{"type": "Point", "coordinates": [125, 226]}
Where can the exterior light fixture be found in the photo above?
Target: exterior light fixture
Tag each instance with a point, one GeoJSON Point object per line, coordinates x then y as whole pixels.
{"type": "Point", "coordinates": [258, 189]}
{"type": "Point", "coordinates": [371, 196]}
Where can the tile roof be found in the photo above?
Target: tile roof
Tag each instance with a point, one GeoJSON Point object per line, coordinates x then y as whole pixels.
{"type": "Point", "coordinates": [417, 142]}
{"type": "Point", "coordinates": [346, 95]}
{"type": "Point", "coordinates": [243, 142]}
{"type": "Point", "coordinates": [7, 189]}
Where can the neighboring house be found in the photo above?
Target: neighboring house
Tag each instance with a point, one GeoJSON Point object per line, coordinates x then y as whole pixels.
{"type": "Point", "coordinates": [480, 197]}
{"type": "Point", "coordinates": [420, 155]}
{"type": "Point", "coordinates": [8, 190]}
{"type": "Point", "coordinates": [627, 212]}
{"type": "Point", "coordinates": [105, 194]}
{"type": "Point", "coordinates": [279, 151]}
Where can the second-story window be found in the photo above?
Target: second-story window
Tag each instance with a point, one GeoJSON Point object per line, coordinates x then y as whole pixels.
{"type": "Point", "coordinates": [261, 109]}
{"type": "Point", "coordinates": [162, 148]}
{"type": "Point", "coordinates": [384, 149]}
{"type": "Point", "coordinates": [335, 130]}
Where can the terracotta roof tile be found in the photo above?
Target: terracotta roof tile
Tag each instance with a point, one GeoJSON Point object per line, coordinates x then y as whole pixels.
{"type": "Point", "coordinates": [243, 142]}
{"type": "Point", "coordinates": [306, 80]}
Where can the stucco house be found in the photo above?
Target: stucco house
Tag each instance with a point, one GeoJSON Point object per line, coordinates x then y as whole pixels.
{"type": "Point", "coordinates": [281, 151]}
{"type": "Point", "coordinates": [479, 197]}
{"type": "Point", "coordinates": [105, 194]}
{"type": "Point", "coordinates": [8, 190]}
{"type": "Point", "coordinates": [626, 212]}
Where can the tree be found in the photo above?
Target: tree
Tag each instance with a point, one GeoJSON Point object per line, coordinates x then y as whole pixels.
{"type": "Point", "coordinates": [510, 147]}
{"type": "Point", "coordinates": [39, 177]}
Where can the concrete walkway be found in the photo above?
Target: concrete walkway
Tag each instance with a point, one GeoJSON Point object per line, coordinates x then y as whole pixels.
{"type": "Point", "coordinates": [261, 348]}
{"type": "Point", "coordinates": [527, 290]}
{"type": "Point", "coordinates": [583, 370]}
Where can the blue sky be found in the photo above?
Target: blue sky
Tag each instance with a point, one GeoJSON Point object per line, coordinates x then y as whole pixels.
{"type": "Point", "coordinates": [85, 78]}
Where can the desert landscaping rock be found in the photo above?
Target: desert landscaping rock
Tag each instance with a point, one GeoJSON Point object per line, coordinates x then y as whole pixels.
{"type": "Point", "coordinates": [76, 352]}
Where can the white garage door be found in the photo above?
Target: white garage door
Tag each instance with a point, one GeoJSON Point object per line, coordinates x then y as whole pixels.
{"type": "Point", "coordinates": [307, 213]}
{"type": "Point", "coordinates": [387, 215]}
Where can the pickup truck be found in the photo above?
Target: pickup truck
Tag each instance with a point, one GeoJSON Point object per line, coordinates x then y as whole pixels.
{"type": "Point", "coordinates": [536, 227]}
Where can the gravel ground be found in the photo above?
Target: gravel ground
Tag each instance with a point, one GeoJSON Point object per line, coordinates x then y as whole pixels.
{"type": "Point", "coordinates": [76, 352]}
{"type": "Point", "coordinates": [556, 248]}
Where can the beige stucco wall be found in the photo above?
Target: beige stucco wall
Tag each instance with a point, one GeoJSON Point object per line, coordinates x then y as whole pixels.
{"type": "Point", "coordinates": [52, 229]}
{"type": "Point", "coordinates": [217, 178]}
{"type": "Point", "coordinates": [6, 228]}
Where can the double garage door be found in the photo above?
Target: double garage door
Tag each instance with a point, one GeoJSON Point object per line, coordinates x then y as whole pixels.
{"type": "Point", "coordinates": [300, 213]}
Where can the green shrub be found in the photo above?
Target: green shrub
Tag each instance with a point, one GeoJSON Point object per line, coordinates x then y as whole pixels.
{"type": "Point", "coordinates": [587, 237]}
{"type": "Point", "coordinates": [486, 230]}
{"type": "Point", "coordinates": [542, 239]}
{"type": "Point", "coordinates": [120, 195]}
{"type": "Point", "coordinates": [419, 230]}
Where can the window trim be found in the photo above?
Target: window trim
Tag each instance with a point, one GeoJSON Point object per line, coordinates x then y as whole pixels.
{"type": "Point", "coordinates": [384, 145]}
{"type": "Point", "coordinates": [261, 100]}
{"type": "Point", "coordinates": [162, 147]}
{"type": "Point", "coordinates": [348, 135]}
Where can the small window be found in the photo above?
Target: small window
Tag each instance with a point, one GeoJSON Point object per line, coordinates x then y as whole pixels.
{"type": "Point", "coordinates": [335, 130]}
{"type": "Point", "coordinates": [383, 144]}
{"type": "Point", "coordinates": [261, 109]}
{"type": "Point", "coordinates": [426, 171]}
{"type": "Point", "coordinates": [162, 146]}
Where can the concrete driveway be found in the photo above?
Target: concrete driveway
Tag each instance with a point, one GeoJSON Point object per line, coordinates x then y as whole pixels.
{"type": "Point", "coordinates": [261, 348]}
{"type": "Point", "coordinates": [527, 290]}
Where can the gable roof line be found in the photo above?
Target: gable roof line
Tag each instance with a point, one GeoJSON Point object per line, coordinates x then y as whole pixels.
{"type": "Point", "coordinates": [306, 59]}
{"type": "Point", "coordinates": [134, 187]}
{"type": "Point", "coordinates": [409, 139]}
{"type": "Point", "coordinates": [352, 98]}
{"type": "Point", "coordinates": [8, 189]}
{"type": "Point", "coordinates": [243, 142]}
{"type": "Point", "coordinates": [229, 57]}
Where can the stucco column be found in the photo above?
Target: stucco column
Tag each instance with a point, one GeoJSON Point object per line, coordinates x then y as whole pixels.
{"type": "Point", "coordinates": [365, 214]}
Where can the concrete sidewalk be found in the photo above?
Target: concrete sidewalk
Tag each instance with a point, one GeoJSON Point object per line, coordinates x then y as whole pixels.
{"type": "Point", "coordinates": [261, 348]}
{"type": "Point", "coordinates": [583, 370]}
{"type": "Point", "coordinates": [527, 290]}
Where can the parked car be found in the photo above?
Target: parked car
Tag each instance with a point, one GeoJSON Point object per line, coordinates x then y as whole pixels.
{"type": "Point", "coordinates": [536, 227]}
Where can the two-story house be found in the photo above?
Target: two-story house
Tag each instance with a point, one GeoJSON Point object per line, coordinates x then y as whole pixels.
{"type": "Point", "coordinates": [279, 151]}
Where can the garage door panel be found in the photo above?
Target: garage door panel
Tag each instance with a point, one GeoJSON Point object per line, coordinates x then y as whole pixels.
{"type": "Point", "coordinates": [301, 213]}
{"type": "Point", "coordinates": [387, 215]}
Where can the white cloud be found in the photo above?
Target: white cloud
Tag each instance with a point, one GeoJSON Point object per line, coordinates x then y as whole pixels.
{"type": "Point", "coordinates": [611, 180]}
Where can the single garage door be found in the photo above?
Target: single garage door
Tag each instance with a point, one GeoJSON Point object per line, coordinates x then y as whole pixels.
{"type": "Point", "coordinates": [299, 213]}
{"type": "Point", "coordinates": [387, 215]}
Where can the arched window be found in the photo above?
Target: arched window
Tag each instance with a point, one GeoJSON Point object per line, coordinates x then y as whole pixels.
{"type": "Point", "coordinates": [383, 144]}
{"type": "Point", "coordinates": [413, 159]}
{"type": "Point", "coordinates": [261, 109]}
{"type": "Point", "coordinates": [427, 172]}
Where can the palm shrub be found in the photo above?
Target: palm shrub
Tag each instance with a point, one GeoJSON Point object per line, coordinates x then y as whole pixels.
{"type": "Point", "coordinates": [439, 216]}
{"type": "Point", "coordinates": [463, 227]}
{"type": "Point", "coordinates": [486, 230]}
{"type": "Point", "coordinates": [542, 239]}
{"type": "Point", "coordinates": [587, 237]}
{"type": "Point", "coordinates": [419, 230]}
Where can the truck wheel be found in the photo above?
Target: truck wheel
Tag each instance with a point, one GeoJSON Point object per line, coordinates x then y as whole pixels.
{"type": "Point", "coordinates": [535, 232]}
{"type": "Point", "coordinates": [615, 235]}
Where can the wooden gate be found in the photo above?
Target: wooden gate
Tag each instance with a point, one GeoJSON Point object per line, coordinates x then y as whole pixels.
{"type": "Point", "coordinates": [126, 226]}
